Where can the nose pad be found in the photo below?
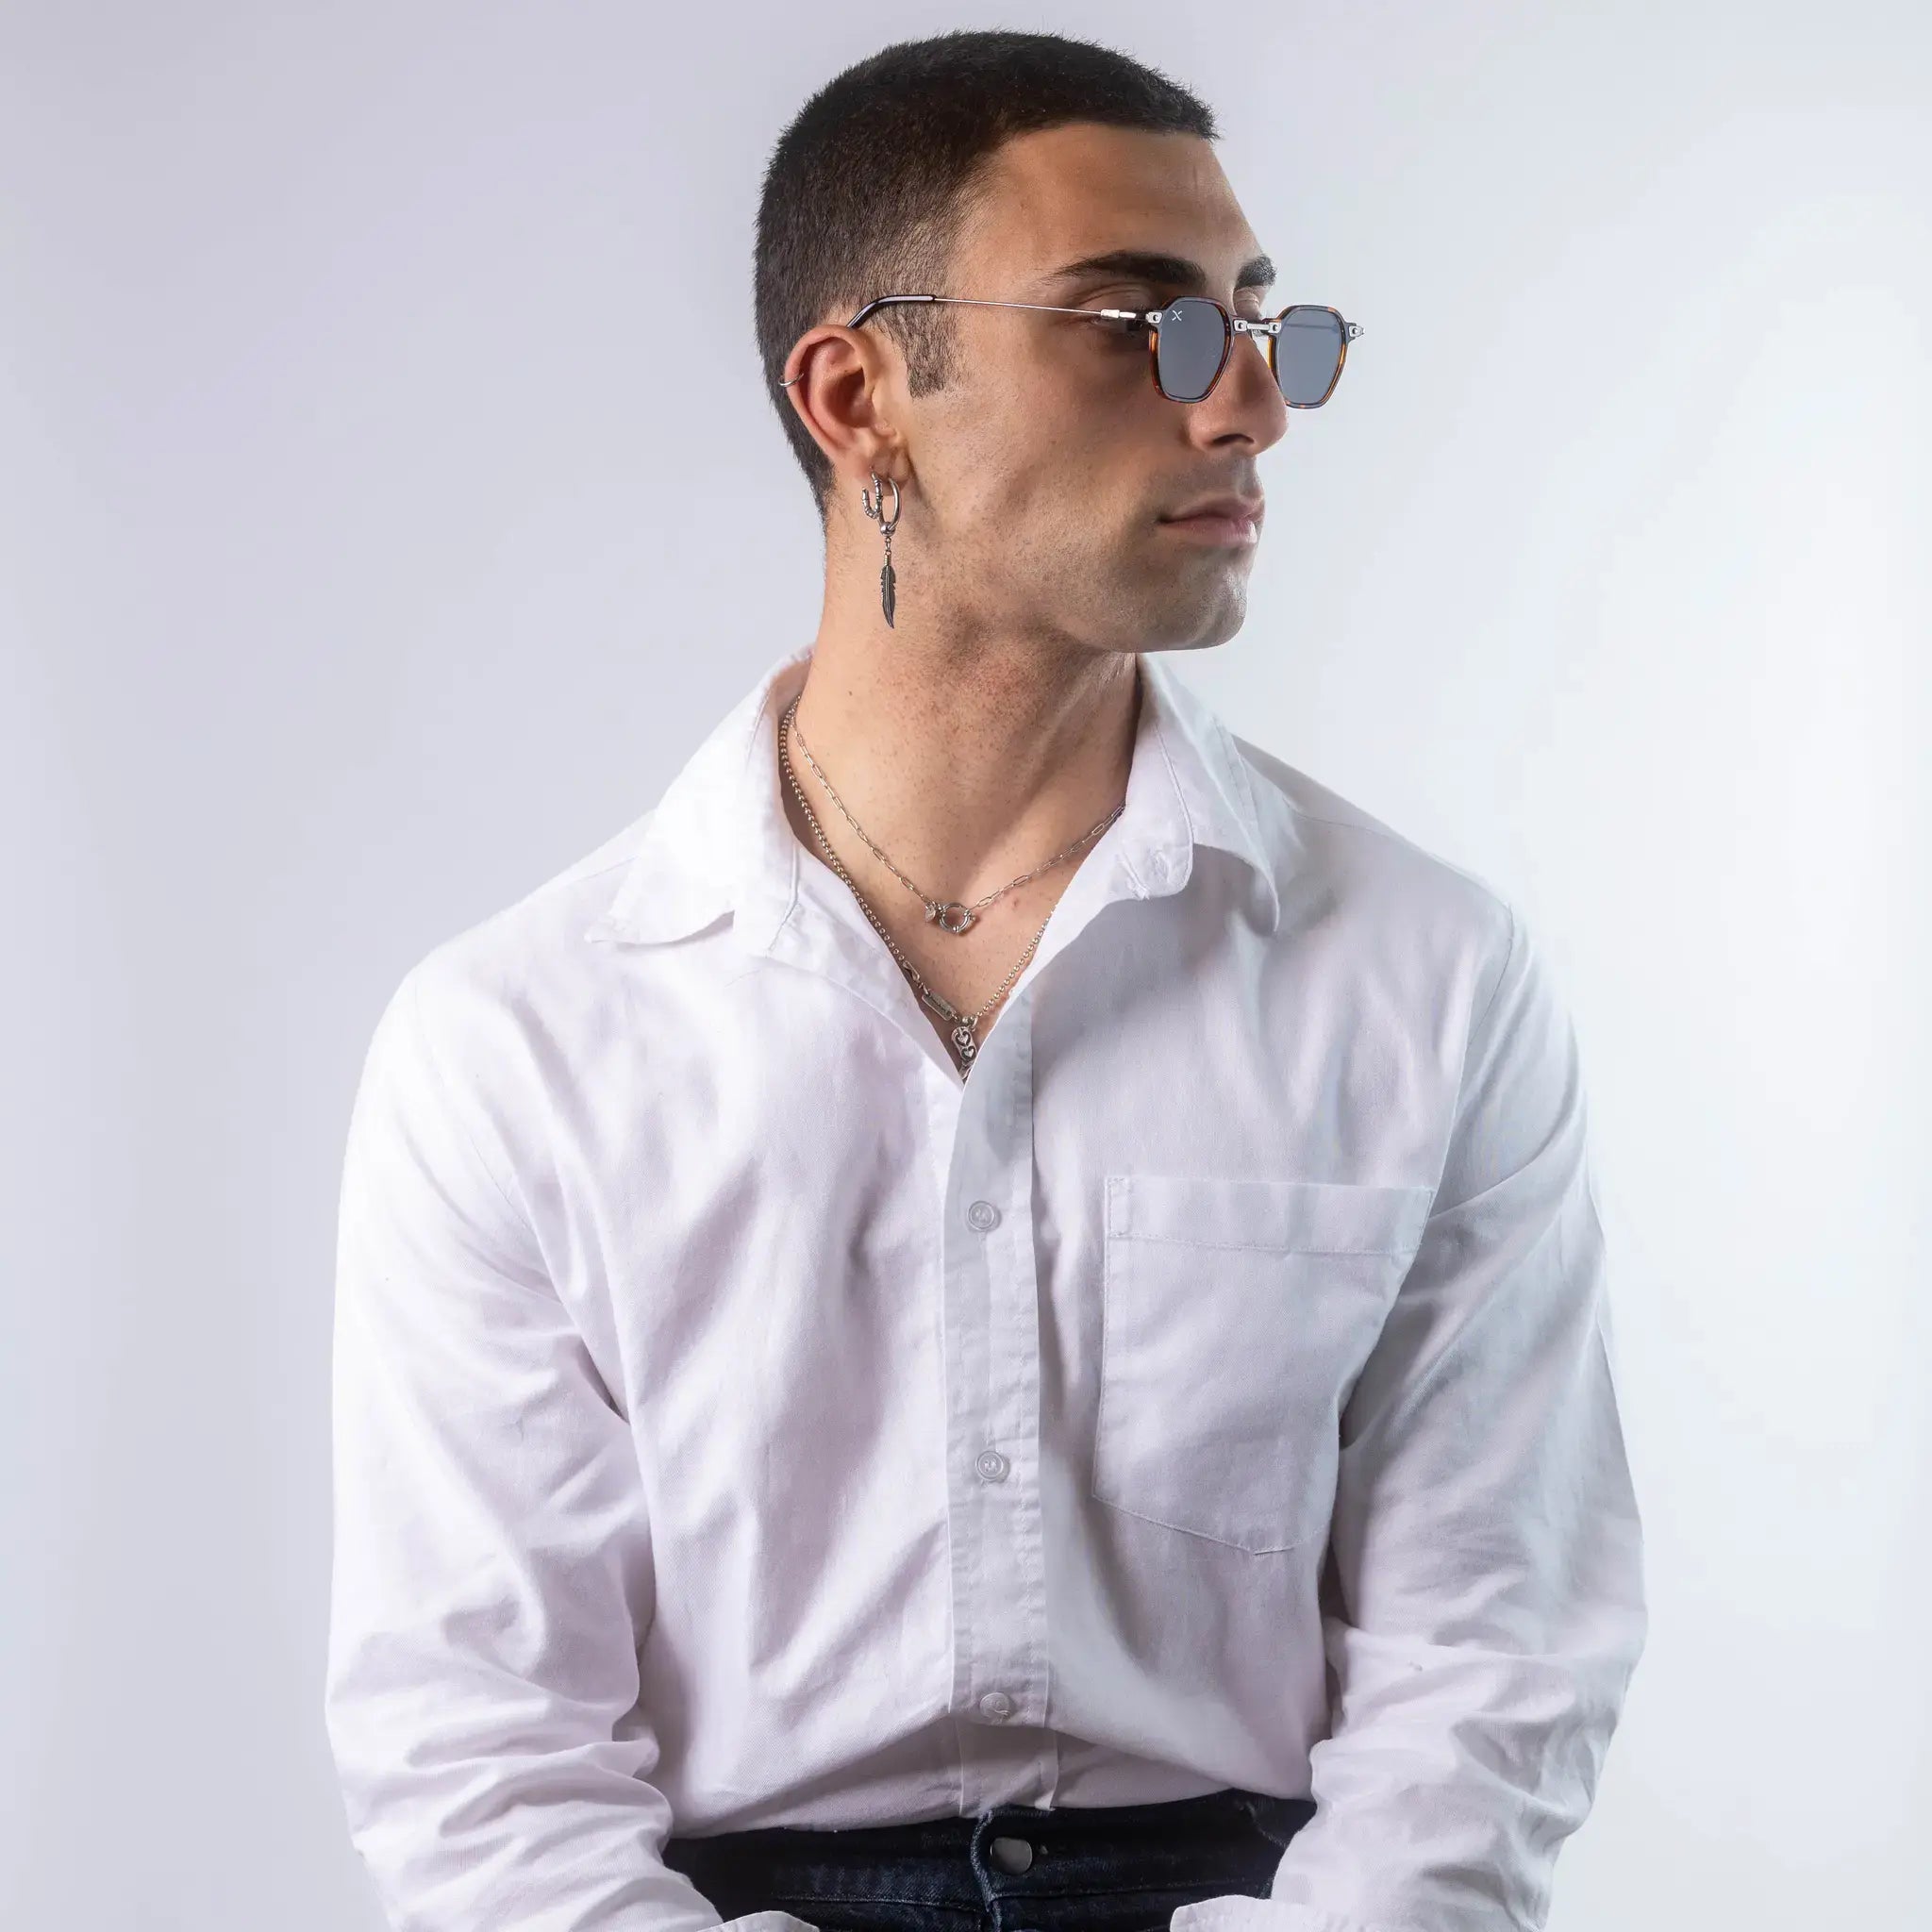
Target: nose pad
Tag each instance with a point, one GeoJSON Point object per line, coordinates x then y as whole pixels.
{"type": "Point", "coordinates": [1264, 342]}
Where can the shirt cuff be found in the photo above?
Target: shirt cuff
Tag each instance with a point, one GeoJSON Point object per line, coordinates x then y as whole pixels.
{"type": "Point", "coordinates": [1238, 1912]}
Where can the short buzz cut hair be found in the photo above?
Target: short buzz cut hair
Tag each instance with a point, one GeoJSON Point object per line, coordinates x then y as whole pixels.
{"type": "Point", "coordinates": [868, 187]}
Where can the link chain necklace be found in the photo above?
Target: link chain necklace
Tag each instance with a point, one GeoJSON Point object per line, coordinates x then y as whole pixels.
{"type": "Point", "coordinates": [937, 911]}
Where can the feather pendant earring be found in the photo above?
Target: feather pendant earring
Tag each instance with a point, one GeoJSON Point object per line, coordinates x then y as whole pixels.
{"type": "Point", "coordinates": [873, 500]}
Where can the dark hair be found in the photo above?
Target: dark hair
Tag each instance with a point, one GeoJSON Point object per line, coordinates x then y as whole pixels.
{"type": "Point", "coordinates": [867, 189]}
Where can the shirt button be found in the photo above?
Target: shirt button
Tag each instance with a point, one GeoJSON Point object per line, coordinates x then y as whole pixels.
{"type": "Point", "coordinates": [992, 1466]}
{"type": "Point", "coordinates": [996, 1703]}
{"type": "Point", "coordinates": [1010, 1854]}
{"type": "Point", "coordinates": [1158, 866]}
{"type": "Point", "coordinates": [982, 1215]}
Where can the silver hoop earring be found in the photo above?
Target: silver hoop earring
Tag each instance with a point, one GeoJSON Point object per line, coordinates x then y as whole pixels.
{"type": "Point", "coordinates": [873, 500]}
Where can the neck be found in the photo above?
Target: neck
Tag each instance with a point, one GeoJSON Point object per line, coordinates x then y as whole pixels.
{"type": "Point", "coordinates": [968, 764]}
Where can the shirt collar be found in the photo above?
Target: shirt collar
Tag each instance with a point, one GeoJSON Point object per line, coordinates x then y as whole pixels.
{"type": "Point", "coordinates": [720, 840]}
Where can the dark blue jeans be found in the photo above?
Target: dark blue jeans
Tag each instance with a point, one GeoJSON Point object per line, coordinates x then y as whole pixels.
{"type": "Point", "coordinates": [1013, 1869]}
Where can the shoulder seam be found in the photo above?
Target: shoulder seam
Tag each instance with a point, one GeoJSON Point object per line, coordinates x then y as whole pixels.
{"type": "Point", "coordinates": [521, 1215]}
{"type": "Point", "coordinates": [1468, 1044]}
{"type": "Point", "coordinates": [1502, 972]}
{"type": "Point", "coordinates": [1386, 833]}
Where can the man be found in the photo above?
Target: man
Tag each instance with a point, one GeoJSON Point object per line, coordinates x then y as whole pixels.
{"type": "Point", "coordinates": [993, 1316]}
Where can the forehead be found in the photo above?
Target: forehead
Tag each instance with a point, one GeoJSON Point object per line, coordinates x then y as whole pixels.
{"type": "Point", "coordinates": [1062, 193]}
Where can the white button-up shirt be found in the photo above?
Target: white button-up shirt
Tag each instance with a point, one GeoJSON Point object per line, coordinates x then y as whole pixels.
{"type": "Point", "coordinates": [744, 1419]}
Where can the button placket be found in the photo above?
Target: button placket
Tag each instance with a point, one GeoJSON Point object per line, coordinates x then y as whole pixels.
{"type": "Point", "coordinates": [992, 1356]}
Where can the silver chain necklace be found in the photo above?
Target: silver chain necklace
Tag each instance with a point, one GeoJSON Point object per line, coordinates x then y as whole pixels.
{"type": "Point", "coordinates": [964, 1046]}
{"type": "Point", "coordinates": [941, 912]}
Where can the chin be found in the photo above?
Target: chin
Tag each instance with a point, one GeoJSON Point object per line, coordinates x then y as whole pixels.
{"type": "Point", "coordinates": [1200, 615]}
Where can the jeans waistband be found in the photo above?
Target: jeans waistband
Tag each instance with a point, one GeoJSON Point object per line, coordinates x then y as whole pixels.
{"type": "Point", "coordinates": [1157, 1855]}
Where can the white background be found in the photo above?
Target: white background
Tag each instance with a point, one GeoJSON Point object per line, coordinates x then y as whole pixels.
{"type": "Point", "coordinates": [388, 503]}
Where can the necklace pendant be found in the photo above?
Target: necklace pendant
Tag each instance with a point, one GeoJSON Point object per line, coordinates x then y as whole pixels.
{"type": "Point", "coordinates": [940, 1006]}
{"type": "Point", "coordinates": [951, 915]}
{"type": "Point", "coordinates": [963, 1042]}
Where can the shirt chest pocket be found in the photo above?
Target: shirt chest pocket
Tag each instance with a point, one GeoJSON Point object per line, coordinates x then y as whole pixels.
{"type": "Point", "coordinates": [1236, 1315]}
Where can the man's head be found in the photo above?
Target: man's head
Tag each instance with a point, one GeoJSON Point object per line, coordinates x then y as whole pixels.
{"type": "Point", "coordinates": [1037, 456]}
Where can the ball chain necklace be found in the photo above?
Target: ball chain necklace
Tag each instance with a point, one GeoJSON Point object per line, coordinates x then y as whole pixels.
{"type": "Point", "coordinates": [948, 915]}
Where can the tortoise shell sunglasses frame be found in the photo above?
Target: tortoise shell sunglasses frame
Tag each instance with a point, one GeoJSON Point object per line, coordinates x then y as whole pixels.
{"type": "Point", "coordinates": [1267, 327]}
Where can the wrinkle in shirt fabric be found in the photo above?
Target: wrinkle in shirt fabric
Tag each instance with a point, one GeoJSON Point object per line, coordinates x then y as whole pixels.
{"type": "Point", "coordinates": [742, 1420]}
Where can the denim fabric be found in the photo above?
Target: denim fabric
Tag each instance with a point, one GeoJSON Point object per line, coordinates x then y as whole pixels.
{"type": "Point", "coordinates": [1113, 1868]}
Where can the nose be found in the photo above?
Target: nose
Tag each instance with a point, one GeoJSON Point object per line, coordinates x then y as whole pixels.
{"type": "Point", "coordinates": [1245, 401]}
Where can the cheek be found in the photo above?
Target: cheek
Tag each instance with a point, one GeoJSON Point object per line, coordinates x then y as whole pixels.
{"type": "Point", "coordinates": [1019, 468]}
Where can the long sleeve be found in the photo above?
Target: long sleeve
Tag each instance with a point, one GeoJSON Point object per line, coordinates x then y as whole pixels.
{"type": "Point", "coordinates": [493, 1575]}
{"type": "Point", "coordinates": [1485, 1607]}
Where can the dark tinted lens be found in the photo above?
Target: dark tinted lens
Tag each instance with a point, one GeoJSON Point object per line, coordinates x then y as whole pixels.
{"type": "Point", "coordinates": [1305, 354]}
{"type": "Point", "coordinates": [1192, 336]}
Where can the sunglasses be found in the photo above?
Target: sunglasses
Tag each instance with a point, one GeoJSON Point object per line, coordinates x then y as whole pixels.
{"type": "Point", "coordinates": [1190, 340]}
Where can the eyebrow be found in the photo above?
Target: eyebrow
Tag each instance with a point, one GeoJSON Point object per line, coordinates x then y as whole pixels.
{"type": "Point", "coordinates": [1160, 271]}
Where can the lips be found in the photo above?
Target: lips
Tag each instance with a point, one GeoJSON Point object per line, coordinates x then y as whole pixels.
{"type": "Point", "coordinates": [1236, 512]}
